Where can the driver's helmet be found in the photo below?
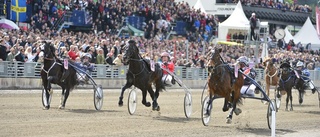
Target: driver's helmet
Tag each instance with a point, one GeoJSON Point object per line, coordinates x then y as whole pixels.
{"type": "Point", "coordinates": [165, 54]}
{"type": "Point", "coordinates": [86, 55]}
{"type": "Point", "coordinates": [244, 60]}
{"type": "Point", "coordinates": [299, 64]}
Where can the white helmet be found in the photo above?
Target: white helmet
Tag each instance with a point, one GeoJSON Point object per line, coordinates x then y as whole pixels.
{"type": "Point", "coordinates": [87, 55]}
{"type": "Point", "coordinates": [299, 64]}
{"type": "Point", "coordinates": [243, 59]}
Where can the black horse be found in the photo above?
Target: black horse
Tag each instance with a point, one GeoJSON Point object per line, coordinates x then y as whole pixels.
{"type": "Point", "coordinates": [140, 75]}
{"type": "Point", "coordinates": [287, 82]}
{"type": "Point", "coordinates": [52, 72]}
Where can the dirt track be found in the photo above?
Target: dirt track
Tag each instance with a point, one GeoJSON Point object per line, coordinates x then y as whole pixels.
{"type": "Point", "coordinates": [21, 114]}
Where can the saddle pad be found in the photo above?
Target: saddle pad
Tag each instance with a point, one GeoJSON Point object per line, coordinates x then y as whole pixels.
{"type": "Point", "coordinates": [295, 72]}
{"type": "Point", "coordinates": [152, 65]}
{"type": "Point", "coordinates": [65, 63]}
{"type": "Point", "coordinates": [236, 68]}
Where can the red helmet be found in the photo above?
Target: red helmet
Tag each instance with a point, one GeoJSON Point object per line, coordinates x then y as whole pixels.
{"type": "Point", "coordinates": [165, 54]}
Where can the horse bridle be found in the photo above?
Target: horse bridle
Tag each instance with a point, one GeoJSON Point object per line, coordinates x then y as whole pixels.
{"type": "Point", "coordinates": [52, 65]}
{"type": "Point", "coordinates": [268, 73]}
{"type": "Point", "coordinates": [139, 60]}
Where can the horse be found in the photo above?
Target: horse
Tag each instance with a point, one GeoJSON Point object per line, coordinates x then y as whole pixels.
{"type": "Point", "coordinates": [52, 71]}
{"type": "Point", "coordinates": [140, 75]}
{"type": "Point", "coordinates": [271, 77]}
{"type": "Point", "coordinates": [287, 82]}
{"type": "Point", "coordinates": [222, 83]}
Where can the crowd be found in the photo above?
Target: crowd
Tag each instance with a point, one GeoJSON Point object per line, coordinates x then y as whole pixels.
{"type": "Point", "coordinates": [105, 48]}
{"type": "Point", "coordinates": [274, 4]}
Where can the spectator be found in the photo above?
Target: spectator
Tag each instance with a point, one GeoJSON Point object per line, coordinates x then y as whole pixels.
{"type": "Point", "coordinates": [253, 26]}
{"type": "Point", "coordinates": [100, 57]}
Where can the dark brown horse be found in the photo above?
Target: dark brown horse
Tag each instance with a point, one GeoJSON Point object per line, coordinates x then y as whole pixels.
{"type": "Point", "coordinates": [222, 83]}
{"type": "Point", "coordinates": [271, 74]}
{"type": "Point", "coordinates": [140, 75]}
{"type": "Point", "coordinates": [286, 83]}
{"type": "Point", "coordinates": [52, 72]}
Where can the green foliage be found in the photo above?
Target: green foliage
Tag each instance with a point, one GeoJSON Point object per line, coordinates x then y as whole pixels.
{"type": "Point", "coordinates": [289, 1]}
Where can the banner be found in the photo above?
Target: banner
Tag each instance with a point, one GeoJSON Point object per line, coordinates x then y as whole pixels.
{"type": "Point", "coordinates": [18, 10]}
{"type": "Point", "coordinates": [318, 20]}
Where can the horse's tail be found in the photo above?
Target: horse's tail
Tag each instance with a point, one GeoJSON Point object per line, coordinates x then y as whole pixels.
{"type": "Point", "coordinates": [72, 78]}
{"type": "Point", "coordinates": [158, 77]}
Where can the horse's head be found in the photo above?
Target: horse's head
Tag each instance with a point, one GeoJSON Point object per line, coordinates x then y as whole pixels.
{"type": "Point", "coordinates": [286, 68]}
{"type": "Point", "coordinates": [131, 52]}
{"type": "Point", "coordinates": [269, 65]}
{"type": "Point", "coordinates": [48, 50]}
{"type": "Point", "coordinates": [215, 58]}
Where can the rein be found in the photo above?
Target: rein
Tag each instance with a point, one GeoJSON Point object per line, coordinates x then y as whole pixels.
{"type": "Point", "coordinates": [52, 65]}
{"type": "Point", "coordinates": [271, 76]}
{"type": "Point", "coordinates": [139, 60]}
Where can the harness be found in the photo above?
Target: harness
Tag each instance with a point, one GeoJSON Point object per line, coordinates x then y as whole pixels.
{"type": "Point", "coordinates": [52, 65]}
{"type": "Point", "coordinates": [144, 66]}
{"type": "Point", "coordinates": [271, 76]}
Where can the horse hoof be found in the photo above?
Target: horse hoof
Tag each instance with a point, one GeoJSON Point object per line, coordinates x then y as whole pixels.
{"type": "Point", "coordinates": [291, 109]}
{"type": "Point", "coordinates": [229, 121]}
{"type": "Point", "coordinates": [120, 103]}
{"type": "Point", "coordinates": [46, 108]}
{"type": "Point", "coordinates": [61, 107]}
{"type": "Point", "coordinates": [237, 111]}
{"type": "Point", "coordinates": [225, 109]}
{"type": "Point", "coordinates": [147, 104]}
{"type": "Point", "coordinates": [157, 108]}
{"type": "Point", "coordinates": [286, 109]}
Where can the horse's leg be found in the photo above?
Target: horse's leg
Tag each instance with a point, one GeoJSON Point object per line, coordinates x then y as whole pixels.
{"type": "Point", "coordinates": [268, 89]}
{"type": "Point", "coordinates": [155, 105]}
{"type": "Point", "coordinates": [64, 97]}
{"type": "Point", "coordinates": [50, 79]}
{"type": "Point", "coordinates": [287, 100]}
{"type": "Point", "coordinates": [225, 104]}
{"type": "Point", "coordinates": [126, 86]}
{"type": "Point", "coordinates": [45, 86]}
{"type": "Point", "coordinates": [144, 97]}
{"type": "Point", "coordinates": [291, 108]}
{"type": "Point", "coordinates": [301, 93]}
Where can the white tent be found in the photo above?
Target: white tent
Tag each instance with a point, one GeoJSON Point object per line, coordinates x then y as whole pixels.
{"type": "Point", "coordinates": [236, 21]}
{"type": "Point", "coordinates": [308, 34]}
{"type": "Point", "coordinates": [199, 5]}
{"type": "Point", "coordinates": [288, 36]}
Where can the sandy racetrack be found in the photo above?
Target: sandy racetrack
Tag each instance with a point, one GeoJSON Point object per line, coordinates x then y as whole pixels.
{"type": "Point", "coordinates": [21, 114]}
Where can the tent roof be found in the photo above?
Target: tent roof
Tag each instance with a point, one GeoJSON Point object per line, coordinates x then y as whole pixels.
{"type": "Point", "coordinates": [199, 5]}
{"type": "Point", "coordinates": [237, 19]}
{"type": "Point", "coordinates": [307, 34]}
{"type": "Point", "coordinates": [288, 36]}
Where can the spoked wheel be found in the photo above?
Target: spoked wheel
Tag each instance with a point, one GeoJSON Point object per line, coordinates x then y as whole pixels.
{"type": "Point", "coordinates": [132, 101]}
{"type": "Point", "coordinates": [206, 111]}
{"type": "Point", "coordinates": [319, 98]}
{"type": "Point", "coordinates": [269, 112]}
{"type": "Point", "coordinates": [187, 105]}
{"type": "Point", "coordinates": [98, 97]}
{"type": "Point", "coordinates": [204, 92]}
{"type": "Point", "coordinates": [45, 100]}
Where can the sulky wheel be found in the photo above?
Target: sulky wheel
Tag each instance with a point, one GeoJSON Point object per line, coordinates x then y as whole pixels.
{"type": "Point", "coordinates": [98, 97]}
{"type": "Point", "coordinates": [206, 111]}
{"type": "Point", "coordinates": [132, 101]}
{"type": "Point", "coordinates": [204, 92]}
{"type": "Point", "coordinates": [269, 112]}
{"type": "Point", "coordinates": [187, 104]}
{"type": "Point", "coordinates": [319, 98]}
{"type": "Point", "coordinates": [46, 98]}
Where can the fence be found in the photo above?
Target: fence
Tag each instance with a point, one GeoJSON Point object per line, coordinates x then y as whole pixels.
{"type": "Point", "coordinates": [32, 70]}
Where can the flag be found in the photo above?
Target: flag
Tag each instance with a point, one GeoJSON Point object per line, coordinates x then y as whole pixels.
{"type": "Point", "coordinates": [19, 10]}
{"type": "Point", "coordinates": [318, 20]}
